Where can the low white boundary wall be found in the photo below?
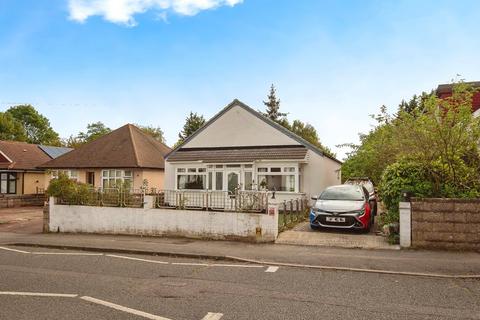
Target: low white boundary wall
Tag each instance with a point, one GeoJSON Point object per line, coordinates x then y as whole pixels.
{"type": "Point", "coordinates": [165, 222]}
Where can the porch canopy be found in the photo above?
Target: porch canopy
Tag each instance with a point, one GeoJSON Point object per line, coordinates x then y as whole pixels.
{"type": "Point", "coordinates": [239, 154]}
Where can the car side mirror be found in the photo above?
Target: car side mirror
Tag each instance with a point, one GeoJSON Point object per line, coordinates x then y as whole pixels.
{"type": "Point", "coordinates": [315, 198]}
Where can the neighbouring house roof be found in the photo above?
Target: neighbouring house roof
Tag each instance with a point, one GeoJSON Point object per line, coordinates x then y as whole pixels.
{"type": "Point", "coordinates": [236, 102]}
{"type": "Point", "coordinates": [15, 155]}
{"type": "Point", "coordinates": [54, 152]}
{"type": "Point", "coordinates": [125, 147]}
{"type": "Point", "coordinates": [445, 91]}
{"type": "Point", "coordinates": [239, 154]}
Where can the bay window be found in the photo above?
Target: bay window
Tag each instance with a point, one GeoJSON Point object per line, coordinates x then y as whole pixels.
{"type": "Point", "coordinates": [191, 178]}
{"type": "Point", "coordinates": [277, 178]}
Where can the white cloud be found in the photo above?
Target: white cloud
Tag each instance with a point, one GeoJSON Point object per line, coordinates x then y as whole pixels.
{"type": "Point", "coordinates": [123, 11]}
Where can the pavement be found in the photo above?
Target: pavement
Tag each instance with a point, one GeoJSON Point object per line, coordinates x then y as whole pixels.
{"type": "Point", "coordinates": [38, 283]}
{"type": "Point", "coordinates": [419, 262]}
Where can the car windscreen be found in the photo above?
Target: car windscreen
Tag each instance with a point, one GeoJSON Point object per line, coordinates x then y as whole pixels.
{"type": "Point", "coordinates": [350, 193]}
{"type": "Point", "coordinates": [367, 184]}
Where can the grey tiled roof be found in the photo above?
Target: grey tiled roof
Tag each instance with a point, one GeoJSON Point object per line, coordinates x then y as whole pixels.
{"type": "Point", "coordinates": [232, 154]}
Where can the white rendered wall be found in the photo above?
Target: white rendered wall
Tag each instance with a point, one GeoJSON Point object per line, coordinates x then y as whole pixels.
{"type": "Point", "coordinates": [164, 222]}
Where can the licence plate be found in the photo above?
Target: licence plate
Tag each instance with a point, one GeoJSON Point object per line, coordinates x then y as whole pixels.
{"type": "Point", "coordinates": [335, 219]}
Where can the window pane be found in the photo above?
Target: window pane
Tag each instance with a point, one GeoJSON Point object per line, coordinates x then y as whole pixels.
{"type": "Point", "coordinates": [192, 170]}
{"type": "Point", "coordinates": [104, 173]}
{"type": "Point", "coordinates": [210, 182]}
{"type": "Point", "coordinates": [12, 186]}
{"type": "Point", "coordinates": [191, 181]}
{"type": "Point", "coordinates": [289, 169]}
{"type": "Point", "coordinates": [232, 178]}
{"type": "Point", "coordinates": [180, 169]}
{"type": "Point", "coordinates": [219, 181]}
{"type": "Point", "coordinates": [73, 174]}
{"type": "Point", "coordinates": [12, 176]}
{"type": "Point", "coordinates": [128, 173]}
{"type": "Point", "coordinates": [201, 169]}
{"type": "Point", "coordinates": [3, 176]}
{"type": "Point", "coordinates": [219, 166]}
{"type": "Point", "coordinates": [3, 186]}
{"type": "Point", "coordinates": [262, 169]}
{"type": "Point", "coordinates": [233, 166]}
{"type": "Point", "coordinates": [248, 166]}
{"type": "Point", "coordinates": [111, 173]}
{"type": "Point", "coordinates": [275, 169]}
{"type": "Point", "coordinates": [248, 181]}
{"type": "Point", "coordinates": [288, 183]}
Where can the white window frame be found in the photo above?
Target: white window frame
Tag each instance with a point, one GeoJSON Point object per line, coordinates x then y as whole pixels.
{"type": "Point", "coordinates": [71, 174]}
{"type": "Point", "coordinates": [193, 169]}
{"type": "Point", "coordinates": [123, 177]}
{"type": "Point", "coordinates": [284, 171]}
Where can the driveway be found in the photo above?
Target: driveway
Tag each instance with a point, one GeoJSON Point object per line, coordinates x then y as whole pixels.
{"type": "Point", "coordinates": [302, 234]}
{"type": "Point", "coordinates": [21, 220]}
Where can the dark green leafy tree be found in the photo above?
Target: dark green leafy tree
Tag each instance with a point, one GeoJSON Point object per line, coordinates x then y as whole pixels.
{"type": "Point", "coordinates": [309, 133]}
{"type": "Point", "coordinates": [37, 127]}
{"type": "Point", "coordinates": [11, 129]}
{"type": "Point", "coordinates": [304, 130]}
{"type": "Point", "coordinates": [273, 107]}
{"type": "Point", "coordinates": [155, 132]}
{"type": "Point", "coordinates": [193, 122]}
{"type": "Point", "coordinates": [94, 130]}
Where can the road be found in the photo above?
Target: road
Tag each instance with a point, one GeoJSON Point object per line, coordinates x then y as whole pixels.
{"type": "Point", "coordinates": [111, 286]}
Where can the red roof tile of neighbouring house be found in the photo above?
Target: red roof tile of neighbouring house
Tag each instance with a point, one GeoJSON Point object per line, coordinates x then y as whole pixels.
{"type": "Point", "coordinates": [445, 91]}
{"type": "Point", "coordinates": [17, 155]}
{"type": "Point", "coordinates": [125, 147]}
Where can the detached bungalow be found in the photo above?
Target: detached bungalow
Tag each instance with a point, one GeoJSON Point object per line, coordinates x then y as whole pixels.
{"type": "Point", "coordinates": [125, 155]}
{"type": "Point", "coordinates": [19, 161]}
{"type": "Point", "coordinates": [240, 149]}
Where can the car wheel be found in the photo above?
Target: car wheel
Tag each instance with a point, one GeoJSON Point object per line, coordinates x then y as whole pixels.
{"type": "Point", "coordinates": [314, 227]}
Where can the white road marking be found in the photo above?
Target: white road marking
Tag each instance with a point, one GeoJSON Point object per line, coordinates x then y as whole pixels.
{"type": "Point", "coordinates": [39, 294]}
{"type": "Point", "coordinates": [271, 269]}
{"type": "Point", "coordinates": [190, 264]}
{"type": "Point", "coordinates": [122, 308]}
{"type": "Point", "coordinates": [235, 265]}
{"type": "Point", "coordinates": [68, 253]}
{"type": "Point", "coordinates": [14, 250]}
{"type": "Point", "coordinates": [213, 316]}
{"type": "Point", "coordinates": [136, 259]}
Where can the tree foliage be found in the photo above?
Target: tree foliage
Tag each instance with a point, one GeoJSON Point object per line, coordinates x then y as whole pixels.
{"type": "Point", "coordinates": [430, 147]}
{"type": "Point", "coordinates": [10, 128]}
{"type": "Point", "coordinates": [301, 129]}
{"type": "Point", "coordinates": [273, 107]}
{"type": "Point", "coordinates": [94, 131]}
{"type": "Point", "coordinates": [193, 122]}
{"type": "Point", "coordinates": [36, 126]}
{"type": "Point", "coordinates": [155, 132]}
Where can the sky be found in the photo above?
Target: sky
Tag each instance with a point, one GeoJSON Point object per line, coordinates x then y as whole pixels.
{"type": "Point", "coordinates": [151, 62]}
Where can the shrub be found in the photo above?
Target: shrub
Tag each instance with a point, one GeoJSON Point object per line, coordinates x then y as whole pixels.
{"type": "Point", "coordinates": [399, 177]}
{"type": "Point", "coordinates": [69, 191]}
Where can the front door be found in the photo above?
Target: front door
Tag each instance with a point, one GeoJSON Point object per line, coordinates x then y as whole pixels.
{"type": "Point", "coordinates": [91, 178]}
{"type": "Point", "coordinates": [233, 181]}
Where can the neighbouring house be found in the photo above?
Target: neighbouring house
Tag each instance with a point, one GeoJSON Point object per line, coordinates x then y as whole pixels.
{"type": "Point", "coordinates": [125, 156]}
{"type": "Point", "coordinates": [19, 161]}
{"type": "Point", "coordinates": [445, 90]}
{"type": "Point", "coordinates": [240, 149]}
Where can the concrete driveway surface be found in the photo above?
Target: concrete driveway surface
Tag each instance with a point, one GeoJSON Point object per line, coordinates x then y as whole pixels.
{"type": "Point", "coordinates": [21, 220]}
{"type": "Point", "coordinates": [303, 235]}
